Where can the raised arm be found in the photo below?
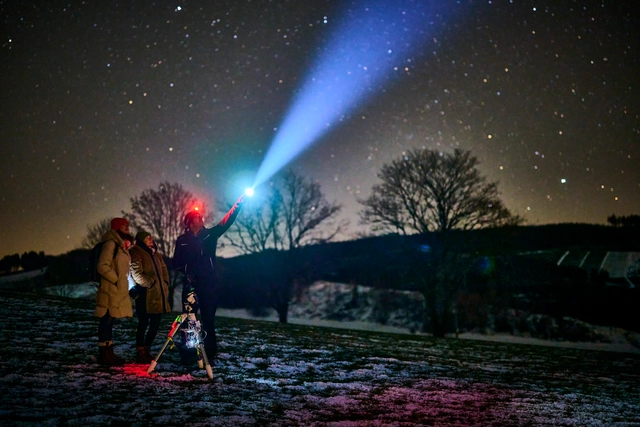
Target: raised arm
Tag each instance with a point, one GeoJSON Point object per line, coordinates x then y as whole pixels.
{"type": "Point", "coordinates": [229, 218]}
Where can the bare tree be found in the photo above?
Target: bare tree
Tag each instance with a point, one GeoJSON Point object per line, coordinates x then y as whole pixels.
{"type": "Point", "coordinates": [293, 214]}
{"type": "Point", "coordinates": [95, 232]}
{"type": "Point", "coordinates": [161, 212]}
{"type": "Point", "coordinates": [304, 209]}
{"type": "Point", "coordinates": [307, 218]}
{"type": "Point", "coordinates": [256, 230]}
{"type": "Point", "coordinates": [438, 274]}
{"type": "Point", "coordinates": [426, 191]}
{"type": "Point", "coordinates": [296, 213]}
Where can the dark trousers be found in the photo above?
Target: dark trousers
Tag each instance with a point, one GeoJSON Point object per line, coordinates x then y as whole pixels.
{"type": "Point", "coordinates": [146, 320]}
{"type": "Point", "coordinates": [191, 303]}
{"type": "Point", "coordinates": [208, 320]}
{"type": "Point", "coordinates": [151, 321]}
{"type": "Point", "coordinates": [105, 327]}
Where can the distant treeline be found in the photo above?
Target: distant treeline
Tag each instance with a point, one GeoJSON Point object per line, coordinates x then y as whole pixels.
{"type": "Point", "coordinates": [510, 268]}
{"type": "Point", "coordinates": [27, 261]}
{"type": "Point", "coordinates": [367, 260]}
{"type": "Point", "coordinates": [624, 221]}
{"type": "Point", "coordinates": [509, 274]}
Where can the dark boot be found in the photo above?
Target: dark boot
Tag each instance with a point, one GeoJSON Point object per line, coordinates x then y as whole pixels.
{"type": "Point", "coordinates": [111, 356]}
{"type": "Point", "coordinates": [102, 353]}
{"type": "Point", "coordinates": [106, 356]}
{"type": "Point", "coordinates": [151, 355]}
{"type": "Point", "coordinates": [143, 354]}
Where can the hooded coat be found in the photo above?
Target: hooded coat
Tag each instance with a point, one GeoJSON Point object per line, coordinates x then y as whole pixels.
{"type": "Point", "coordinates": [150, 272]}
{"type": "Point", "coordinates": [113, 292]}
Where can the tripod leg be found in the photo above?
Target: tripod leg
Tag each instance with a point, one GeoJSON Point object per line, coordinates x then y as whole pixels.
{"type": "Point", "coordinates": [172, 332]}
{"type": "Point", "coordinates": [207, 366]}
{"type": "Point", "coordinates": [200, 362]}
{"type": "Point", "coordinates": [154, 362]}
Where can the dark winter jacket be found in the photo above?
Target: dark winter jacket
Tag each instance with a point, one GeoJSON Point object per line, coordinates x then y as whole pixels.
{"type": "Point", "coordinates": [150, 273]}
{"type": "Point", "coordinates": [113, 292]}
{"type": "Point", "coordinates": [195, 255]}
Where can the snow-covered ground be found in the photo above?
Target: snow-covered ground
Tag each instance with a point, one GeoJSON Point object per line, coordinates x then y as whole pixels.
{"type": "Point", "coordinates": [21, 276]}
{"type": "Point", "coordinates": [294, 375]}
{"type": "Point", "coordinates": [619, 341]}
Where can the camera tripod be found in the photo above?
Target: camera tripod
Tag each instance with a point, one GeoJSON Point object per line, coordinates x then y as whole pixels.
{"type": "Point", "coordinates": [194, 338]}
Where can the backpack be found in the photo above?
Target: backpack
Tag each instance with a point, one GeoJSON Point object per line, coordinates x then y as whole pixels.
{"type": "Point", "coordinates": [94, 256]}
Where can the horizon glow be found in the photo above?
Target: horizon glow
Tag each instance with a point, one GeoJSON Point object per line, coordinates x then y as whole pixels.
{"type": "Point", "coordinates": [370, 45]}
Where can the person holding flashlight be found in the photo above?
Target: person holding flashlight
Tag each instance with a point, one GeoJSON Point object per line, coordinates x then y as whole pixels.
{"type": "Point", "coordinates": [195, 259]}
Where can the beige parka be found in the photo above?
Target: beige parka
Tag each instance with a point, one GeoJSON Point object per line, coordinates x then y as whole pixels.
{"type": "Point", "coordinates": [113, 292]}
{"type": "Point", "coordinates": [150, 271]}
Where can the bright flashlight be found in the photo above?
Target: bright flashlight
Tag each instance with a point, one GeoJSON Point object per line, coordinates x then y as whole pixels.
{"type": "Point", "coordinates": [249, 192]}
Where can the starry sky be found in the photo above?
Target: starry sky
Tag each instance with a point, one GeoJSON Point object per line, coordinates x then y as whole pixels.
{"type": "Point", "coordinates": [102, 100]}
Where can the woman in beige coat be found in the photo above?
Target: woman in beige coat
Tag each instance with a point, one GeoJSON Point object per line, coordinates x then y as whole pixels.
{"type": "Point", "coordinates": [112, 300]}
{"type": "Point", "coordinates": [151, 292]}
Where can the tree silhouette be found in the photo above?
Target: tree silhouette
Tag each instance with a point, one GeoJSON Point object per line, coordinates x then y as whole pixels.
{"type": "Point", "coordinates": [294, 214]}
{"type": "Point", "coordinates": [161, 212]}
{"type": "Point", "coordinates": [624, 221]}
{"type": "Point", "coordinates": [429, 192]}
{"type": "Point", "coordinates": [304, 209]}
{"type": "Point", "coordinates": [94, 233]}
{"type": "Point", "coordinates": [10, 263]}
{"type": "Point", "coordinates": [33, 260]}
{"type": "Point", "coordinates": [256, 230]}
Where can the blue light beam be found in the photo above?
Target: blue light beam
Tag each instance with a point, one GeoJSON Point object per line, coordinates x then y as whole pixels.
{"type": "Point", "coordinates": [370, 45]}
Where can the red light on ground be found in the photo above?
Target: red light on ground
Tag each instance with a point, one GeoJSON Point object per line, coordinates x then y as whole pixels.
{"type": "Point", "coordinates": [137, 370]}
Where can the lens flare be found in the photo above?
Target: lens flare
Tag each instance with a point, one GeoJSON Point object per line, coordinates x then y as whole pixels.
{"type": "Point", "coordinates": [249, 192]}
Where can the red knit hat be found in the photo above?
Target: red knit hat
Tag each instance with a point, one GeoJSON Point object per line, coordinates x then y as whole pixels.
{"type": "Point", "coordinates": [116, 223]}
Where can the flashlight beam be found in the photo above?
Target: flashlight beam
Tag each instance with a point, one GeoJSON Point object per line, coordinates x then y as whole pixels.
{"type": "Point", "coordinates": [373, 44]}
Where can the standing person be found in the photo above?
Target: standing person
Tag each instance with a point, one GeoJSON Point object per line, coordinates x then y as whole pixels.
{"type": "Point", "coordinates": [151, 292]}
{"type": "Point", "coordinates": [195, 258]}
{"type": "Point", "coordinates": [112, 299]}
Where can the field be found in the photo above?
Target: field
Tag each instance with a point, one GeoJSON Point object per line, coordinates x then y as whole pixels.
{"type": "Point", "coordinates": [290, 375]}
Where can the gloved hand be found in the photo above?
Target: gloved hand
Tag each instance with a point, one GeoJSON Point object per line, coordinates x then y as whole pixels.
{"type": "Point", "coordinates": [134, 292]}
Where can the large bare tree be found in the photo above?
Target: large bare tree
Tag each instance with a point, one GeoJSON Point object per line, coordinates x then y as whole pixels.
{"type": "Point", "coordinates": [426, 191]}
{"type": "Point", "coordinates": [256, 230]}
{"type": "Point", "coordinates": [304, 209]}
{"type": "Point", "coordinates": [294, 214]}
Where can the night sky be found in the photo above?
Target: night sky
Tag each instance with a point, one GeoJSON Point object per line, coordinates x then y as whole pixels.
{"type": "Point", "coordinates": [101, 100]}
